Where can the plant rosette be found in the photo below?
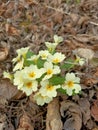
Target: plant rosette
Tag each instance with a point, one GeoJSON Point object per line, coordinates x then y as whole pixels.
{"type": "Point", "coordinates": [41, 74]}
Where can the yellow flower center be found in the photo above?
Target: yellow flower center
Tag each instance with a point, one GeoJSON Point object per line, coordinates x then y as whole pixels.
{"type": "Point", "coordinates": [32, 74]}
{"type": "Point", "coordinates": [50, 49]}
{"type": "Point", "coordinates": [44, 56]}
{"type": "Point", "coordinates": [49, 71]}
{"type": "Point", "coordinates": [49, 87]}
{"type": "Point", "coordinates": [24, 55]}
{"type": "Point", "coordinates": [19, 59]}
{"type": "Point", "coordinates": [77, 59]}
{"type": "Point", "coordinates": [29, 84]}
{"type": "Point", "coordinates": [56, 60]}
{"type": "Point", "coordinates": [42, 96]}
{"type": "Point", "coordinates": [70, 84]}
{"type": "Point", "coordinates": [35, 60]}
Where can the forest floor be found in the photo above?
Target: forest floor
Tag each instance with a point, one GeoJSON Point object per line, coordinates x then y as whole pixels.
{"type": "Point", "coordinates": [31, 23]}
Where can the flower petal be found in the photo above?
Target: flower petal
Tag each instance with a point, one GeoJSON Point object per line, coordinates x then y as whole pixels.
{"type": "Point", "coordinates": [70, 77]}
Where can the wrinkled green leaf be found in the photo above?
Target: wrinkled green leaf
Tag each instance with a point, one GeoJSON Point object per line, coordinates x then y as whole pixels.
{"type": "Point", "coordinates": [61, 90]}
{"type": "Point", "coordinates": [68, 64]}
{"type": "Point", "coordinates": [40, 63]}
{"type": "Point", "coordinates": [56, 80]}
{"type": "Point", "coordinates": [94, 62]}
{"type": "Point", "coordinates": [28, 62]}
{"type": "Point", "coordinates": [29, 54]}
{"type": "Point", "coordinates": [40, 79]}
{"type": "Point", "coordinates": [78, 1]}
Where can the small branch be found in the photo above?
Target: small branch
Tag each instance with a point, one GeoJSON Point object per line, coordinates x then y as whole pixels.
{"type": "Point", "coordinates": [93, 23]}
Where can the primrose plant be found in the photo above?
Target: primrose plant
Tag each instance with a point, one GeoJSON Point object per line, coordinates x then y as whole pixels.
{"type": "Point", "coordinates": [41, 74]}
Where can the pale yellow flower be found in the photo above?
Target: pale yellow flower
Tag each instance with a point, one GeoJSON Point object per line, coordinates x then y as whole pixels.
{"type": "Point", "coordinates": [19, 60]}
{"type": "Point", "coordinates": [7, 75]}
{"type": "Point", "coordinates": [29, 86]}
{"type": "Point", "coordinates": [71, 83]}
{"type": "Point", "coordinates": [23, 84]}
{"type": "Point", "coordinates": [47, 89]}
{"type": "Point", "coordinates": [23, 51]}
{"type": "Point", "coordinates": [41, 100]}
{"type": "Point", "coordinates": [80, 60]}
{"type": "Point", "coordinates": [33, 58]}
{"type": "Point", "coordinates": [50, 70]}
{"type": "Point", "coordinates": [19, 64]}
{"type": "Point", "coordinates": [32, 72]}
{"type": "Point", "coordinates": [18, 79]}
{"type": "Point", "coordinates": [44, 54]}
{"type": "Point", "coordinates": [56, 58]}
{"type": "Point", "coordinates": [57, 39]}
{"type": "Point", "coordinates": [51, 46]}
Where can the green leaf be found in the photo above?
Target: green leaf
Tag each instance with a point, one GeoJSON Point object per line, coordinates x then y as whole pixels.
{"type": "Point", "coordinates": [61, 90]}
{"type": "Point", "coordinates": [28, 62]}
{"type": "Point", "coordinates": [40, 63]}
{"type": "Point", "coordinates": [68, 64]}
{"type": "Point", "coordinates": [94, 61]}
{"type": "Point", "coordinates": [56, 80]}
{"type": "Point", "coordinates": [78, 1]}
{"type": "Point", "coordinates": [29, 54]}
{"type": "Point", "coordinates": [40, 79]}
{"type": "Point", "coordinates": [73, 94]}
{"type": "Point", "coordinates": [68, 1]}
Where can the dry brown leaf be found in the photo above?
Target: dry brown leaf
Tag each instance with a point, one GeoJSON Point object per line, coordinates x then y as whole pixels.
{"type": "Point", "coordinates": [96, 73]}
{"type": "Point", "coordinates": [74, 17]}
{"type": "Point", "coordinates": [94, 62]}
{"type": "Point", "coordinates": [82, 38]}
{"type": "Point", "coordinates": [90, 124]}
{"type": "Point", "coordinates": [83, 19]}
{"type": "Point", "coordinates": [25, 123]}
{"type": "Point", "coordinates": [3, 53]}
{"type": "Point", "coordinates": [55, 2]}
{"type": "Point", "coordinates": [3, 116]}
{"type": "Point", "coordinates": [2, 9]}
{"type": "Point", "coordinates": [94, 110]}
{"type": "Point", "coordinates": [11, 30]}
{"type": "Point", "coordinates": [21, 129]}
{"type": "Point", "coordinates": [58, 17]}
{"type": "Point", "coordinates": [90, 81]}
{"type": "Point", "coordinates": [89, 4]}
{"type": "Point", "coordinates": [85, 109]}
{"type": "Point", "coordinates": [72, 114]}
{"type": "Point", "coordinates": [95, 128]}
{"type": "Point", "coordinates": [70, 44]}
{"type": "Point", "coordinates": [7, 90]}
{"type": "Point", "coordinates": [19, 95]}
{"type": "Point", "coordinates": [3, 102]}
{"type": "Point", "coordinates": [53, 120]}
{"type": "Point", "coordinates": [30, 2]}
{"type": "Point", "coordinates": [95, 48]}
{"type": "Point", "coordinates": [2, 126]}
{"type": "Point", "coordinates": [73, 44]}
{"type": "Point", "coordinates": [85, 53]}
{"type": "Point", "coordinates": [70, 29]}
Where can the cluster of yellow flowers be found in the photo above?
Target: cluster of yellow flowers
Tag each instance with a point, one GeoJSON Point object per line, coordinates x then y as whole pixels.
{"type": "Point", "coordinates": [36, 73]}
